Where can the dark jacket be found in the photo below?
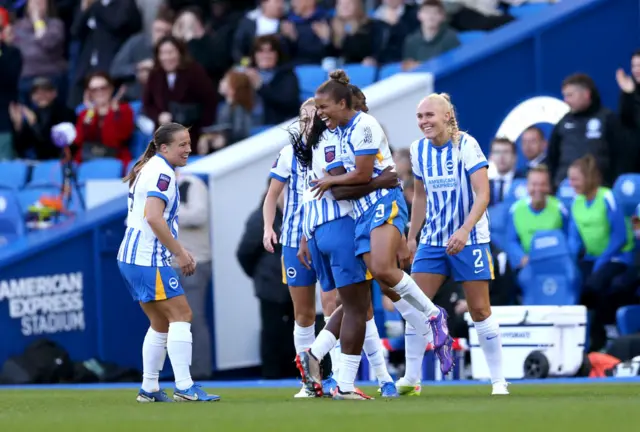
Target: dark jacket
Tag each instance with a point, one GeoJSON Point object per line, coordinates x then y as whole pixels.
{"type": "Point", "coordinates": [213, 52]}
{"type": "Point", "coordinates": [369, 41]}
{"type": "Point", "coordinates": [35, 141]}
{"type": "Point", "coordinates": [10, 67]}
{"type": "Point", "coordinates": [308, 48]}
{"type": "Point", "coordinates": [192, 87]}
{"type": "Point", "coordinates": [398, 33]}
{"type": "Point", "coordinates": [114, 24]}
{"type": "Point", "coordinates": [263, 267]}
{"type": "Point", "coordinates": [629, 112]}
{"type": "Point", "coordinates": [244, 37]}
{"type": "Point", "coordinates": [597, 131]}
{"type": "Point", "coordinates": [280, 96]}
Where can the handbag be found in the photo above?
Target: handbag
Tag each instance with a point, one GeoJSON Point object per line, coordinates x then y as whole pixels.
{"type": "Point", "coordinates": [93, 150]}
{"type": "Point", "coordinates": [185, 114]}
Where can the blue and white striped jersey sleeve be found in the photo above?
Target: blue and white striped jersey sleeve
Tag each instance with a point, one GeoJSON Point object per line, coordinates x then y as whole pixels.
{"type": "Point", "coordinates": [161, 184]}
{"type": "Point", "coordinates": [414, 151]}
{"type": "Point", "coordinates": [472, 156]}
{"type": "Point", "coordinates": [281, 169]}
{"type": "Point", "coordinates": [367, 136]}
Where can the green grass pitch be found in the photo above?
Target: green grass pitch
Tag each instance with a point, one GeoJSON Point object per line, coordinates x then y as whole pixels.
{"type": "Point", "coordinates": [535, 408]}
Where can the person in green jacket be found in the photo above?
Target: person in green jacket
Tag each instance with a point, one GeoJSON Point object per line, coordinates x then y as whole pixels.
{"type": "Point", "coordinates": [537, 212]}
{"type": "Point", "coordinates": [601, 238]}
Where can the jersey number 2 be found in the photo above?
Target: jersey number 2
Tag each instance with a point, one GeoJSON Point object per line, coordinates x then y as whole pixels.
{"type": "Point", "coordinates": [478, 262]}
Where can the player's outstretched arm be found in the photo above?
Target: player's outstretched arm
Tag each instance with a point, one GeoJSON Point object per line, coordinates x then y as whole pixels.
{"type": "Point", "coordinates": [388, 179]}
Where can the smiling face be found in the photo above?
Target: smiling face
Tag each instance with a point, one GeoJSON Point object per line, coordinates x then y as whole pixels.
{"type": "Point", "coordinates": [329, 111]}
{"type": "Point", "coordinates": [178, 150]}
{"type": "Point", "coordinates": [538, 187]}
{"type": "Point", "coordinates": [433, 117]}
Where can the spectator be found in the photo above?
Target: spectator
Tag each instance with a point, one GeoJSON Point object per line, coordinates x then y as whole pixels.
{"type": "Point", "coordinates": [32, 127]}
{"type": "Point", "coordinates": [135, 59]}
{"type": "Point", "coordinates": [276, 308]}
{"type": "Point", "coordinates": [587, 128]}
{"type": "Point", "coordinates": [539, 211]}
{"type": "Point", "coordinates": [211, 52]}
{"type": "Point", "coordinates": [534, 147]}
{"type": "Point", "coordinates": [354, 37]}
{"type": "Point", "coordinates": [149, 11]}
{"type": "Point", "coordinates": [179, 89]}
{"type": "Point", "coordinates": [603, 240]}
{"type": "Point", "coordinates": [225, 16]}
{"type": "Point", "coordinates": [402, 19]}
{"type": "Point", "coordinates": [102, 26]}
{"type": "Point", "coordinates": [275, 83]}
{"type": "Point", "coordinates": [629, 109]}
{"type": "Point", "coordinates": [40, 36]}
{"type": "Point", "coordinates": [194, 235]}
{"type": "Point", "coordinates": [234, 116]}
{"type": "Point", "coordinates": [10, 67]}
{"type": "Point", "coordinates": [263, 21]}
{"type": "Point", "coordinates": [432, 39]}
{"type": "Point", "coordinates": [105, 127]}
{"type": "Point", "coordinates": [307, 32]}
{"type": "Point", "coordinates": [503, 157]}
{"type": "Point", "coordinates": [478, 14]}
{"type": "Point", "coordinates": [402, 159]}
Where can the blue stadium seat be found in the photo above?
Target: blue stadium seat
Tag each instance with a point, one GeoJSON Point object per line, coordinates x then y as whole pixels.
{"type": "Point", "coordinates": [498, 216]}
{"type": "Point", "coordinates": [527, 10]}
{"type": "Point", "coordinates": [11, 219]}
{"type": "Point", "coordinates": [139, 143]}
{"type": "Point", "coordinates": [470, 36]}
{"type": "Point", "coordinates": [100, 169]}
{"type": "Point", "coordinates": [517, 190]}
{"type": "Point", "coordinates": [136, 107]}
{"type": "Point", "coordinates": [627, 192]}
{"type": "Point", "coordinates": [28, 197]}
{"type": "Point", "coordinates": [389, 70]}
{"type": "Point", "coordinates": [360, 75]}
{"type": "Point", "coordinates": [194, 158]}
{"type": "Point", "coordinates": [566, 194]}
{"type": "Point", "coordinates": [628, 320]}
{"type": "Point", "coordinates": [310, 77]}
{"type": "Point", "coordinates": [13, 174]}
{"type": "Point", "coordinates": [551, 277]}
{"type": "Point", "coordinates": [46, 173]}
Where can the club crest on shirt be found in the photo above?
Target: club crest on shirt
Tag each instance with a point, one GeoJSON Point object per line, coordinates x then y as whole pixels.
{"type": "Point", "coordinates": [163, 182]}
{"type": "Point", "coordinates": [329, 154]}
{"type": "Point", "coordinates": [275, 163]}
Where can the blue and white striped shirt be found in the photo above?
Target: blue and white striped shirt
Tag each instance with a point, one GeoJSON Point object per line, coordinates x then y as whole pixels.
{"type": "Point", "coordinates": [363, 135]}
{"type": "Point", "coordinates": [287, 170]}
{"type": "Point", "coordinates": [327, 208]}
{"type": "Point", "coordinates": [446, 173]}
{"type": "Point", "coordinates": [140, 246]}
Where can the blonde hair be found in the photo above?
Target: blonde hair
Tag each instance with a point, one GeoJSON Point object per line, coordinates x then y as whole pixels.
{"type": "Point", "coordinates": [588, 166]}
{"type": "Point", "coordinates": [452, 125]}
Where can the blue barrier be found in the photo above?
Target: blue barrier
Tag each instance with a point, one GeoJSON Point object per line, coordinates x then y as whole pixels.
{"type": "Point", "coordinates": [530, 57]}
{"type": "Point", "coordinates": [64, 285]}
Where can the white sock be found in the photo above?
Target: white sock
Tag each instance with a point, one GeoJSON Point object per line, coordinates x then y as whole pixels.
{"type": "Point", "coordinates": [490, 341]}
{"type": "Point", "coordinates": [349, 365]}
{"type": "Point", "coordinates": [414, 348]}
{"type": "Point", "coordinates": [374, 350]}
{"type": "Point", "coordinates": [416, 318]}
{"type": "Point", "coordinates": [179, 347]}
{"type": "Point", "coordinates": [303, 337]}
{"type": "Point", "coordinates": [154, 352]}
{"type": "Point", "coordinates": [323, 344]}
{"type": "Point", "coordinates": [335, 354]}
{"type": "Point", "coordinates": [411, 292]}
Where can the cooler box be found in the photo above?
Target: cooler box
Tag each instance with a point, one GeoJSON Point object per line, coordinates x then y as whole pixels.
{"type": "Point", "coordinates": [538, 341]}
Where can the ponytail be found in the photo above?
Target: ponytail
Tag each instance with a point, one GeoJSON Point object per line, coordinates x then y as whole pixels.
{"type": "Point", "coordinates": [148, 154]}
